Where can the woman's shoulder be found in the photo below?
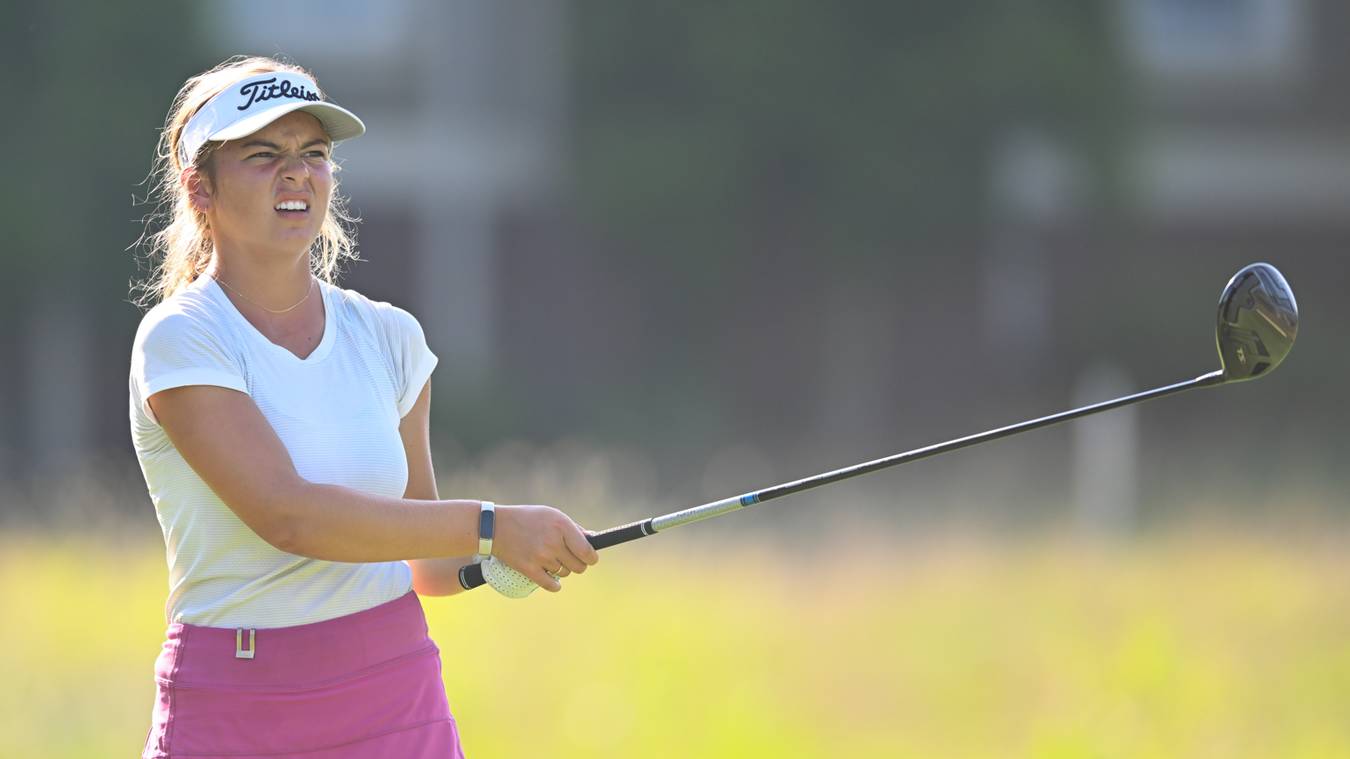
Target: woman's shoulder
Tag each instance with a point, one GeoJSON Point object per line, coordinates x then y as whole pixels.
{"type": "Point", "coordinates": [191, 310]}
{"type": "Point", "coordinates": [377, 314]}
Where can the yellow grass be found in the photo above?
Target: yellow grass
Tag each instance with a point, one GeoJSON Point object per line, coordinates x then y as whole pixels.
{"type": "Point", "coordinates": [1184, 645]}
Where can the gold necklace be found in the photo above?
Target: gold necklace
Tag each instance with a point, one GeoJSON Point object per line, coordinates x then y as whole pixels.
{"type": "Point", "coordinates": [265, 308]}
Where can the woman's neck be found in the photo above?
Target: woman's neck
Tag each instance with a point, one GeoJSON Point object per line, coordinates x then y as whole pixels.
{"type": "Point", "coordinates": [273, 285]}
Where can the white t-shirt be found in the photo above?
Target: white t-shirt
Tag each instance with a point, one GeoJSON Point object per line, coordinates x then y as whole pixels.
{"type": "Point", "coordinates": [337, 411]}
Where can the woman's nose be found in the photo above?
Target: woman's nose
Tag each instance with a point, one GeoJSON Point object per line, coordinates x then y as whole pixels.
{"type": "Point", "coordinates": [293, 166]}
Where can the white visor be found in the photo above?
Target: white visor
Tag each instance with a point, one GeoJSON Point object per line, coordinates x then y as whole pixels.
{"type": "Point", "coordinates": [251, 104]}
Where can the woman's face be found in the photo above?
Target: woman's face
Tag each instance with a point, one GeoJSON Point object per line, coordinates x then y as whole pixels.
{"type": "Point", "coordinates": [270, 190]}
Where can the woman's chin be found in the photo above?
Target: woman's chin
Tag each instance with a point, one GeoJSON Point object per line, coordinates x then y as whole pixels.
{"type": "Point", "coordinates": [295, 234]}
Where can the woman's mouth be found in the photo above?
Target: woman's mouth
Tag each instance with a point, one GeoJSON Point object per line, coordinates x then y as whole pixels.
{"type": "Point", "coordinates": [292, 208]}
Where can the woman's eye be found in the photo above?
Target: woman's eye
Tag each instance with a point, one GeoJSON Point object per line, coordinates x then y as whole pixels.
{"type": "Point", "coordinates": [318, 154]}
{"type": "Point", "coordinates": [263, 154]}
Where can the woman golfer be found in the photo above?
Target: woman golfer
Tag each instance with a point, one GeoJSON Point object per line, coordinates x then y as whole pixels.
{"type": "Point", "coordinates": [281, 423]}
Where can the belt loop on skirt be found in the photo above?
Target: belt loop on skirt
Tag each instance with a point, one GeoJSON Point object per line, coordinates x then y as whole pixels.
{"type": "Point", "coordinates": [239, 651]}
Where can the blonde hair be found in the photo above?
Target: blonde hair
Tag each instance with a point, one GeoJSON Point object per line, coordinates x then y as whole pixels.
{"type": "Point", "coordinates": [183, 236]}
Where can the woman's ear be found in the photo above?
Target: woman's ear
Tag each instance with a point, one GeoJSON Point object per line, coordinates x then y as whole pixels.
{"type": "Point", "coordinates": [198, 187]}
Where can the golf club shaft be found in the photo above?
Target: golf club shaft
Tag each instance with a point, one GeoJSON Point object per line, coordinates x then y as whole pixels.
{"type": "Point", "coordinates": [472, 576]}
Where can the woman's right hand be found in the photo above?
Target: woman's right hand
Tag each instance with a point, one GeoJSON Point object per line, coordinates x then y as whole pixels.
{"type": "Point", "coordinates": [539, 540]}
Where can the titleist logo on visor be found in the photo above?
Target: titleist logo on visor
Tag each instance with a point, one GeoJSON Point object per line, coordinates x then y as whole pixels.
{"type": "Point", "coordinates": [269, 89]}
{"type": "Point", "coordinates": [249, 104]}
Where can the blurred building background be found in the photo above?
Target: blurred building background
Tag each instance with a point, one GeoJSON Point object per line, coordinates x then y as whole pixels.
{"type": "Point", "coordinates": [729, 245]}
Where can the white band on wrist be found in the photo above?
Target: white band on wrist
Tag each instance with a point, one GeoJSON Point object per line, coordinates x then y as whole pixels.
{"type": "Point", "coordinates": [487, 528]}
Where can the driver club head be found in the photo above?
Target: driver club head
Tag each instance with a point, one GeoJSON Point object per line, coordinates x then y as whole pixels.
{"type": "Point", "coordinates": [1258, 321]}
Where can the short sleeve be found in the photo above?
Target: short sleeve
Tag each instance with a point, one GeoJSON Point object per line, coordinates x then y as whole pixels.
{"type": "Point", "coordinates": [174, 349]}
{"type": "Point", "coordinates": [412, 360]}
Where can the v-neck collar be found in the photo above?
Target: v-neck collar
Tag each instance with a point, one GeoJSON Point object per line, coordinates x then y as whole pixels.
{"type": "Point", "coordinates": [315, 356]}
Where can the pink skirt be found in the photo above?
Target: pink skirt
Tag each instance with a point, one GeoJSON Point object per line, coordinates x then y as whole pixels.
{"type": "Point", "coordinates": [364, 685]}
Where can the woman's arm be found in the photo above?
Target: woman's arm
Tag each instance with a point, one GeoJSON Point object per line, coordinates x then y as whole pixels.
{"type": "Point", "coordinates": [228, 442]}
{"type": "Point", "coordinates": [431, 577]}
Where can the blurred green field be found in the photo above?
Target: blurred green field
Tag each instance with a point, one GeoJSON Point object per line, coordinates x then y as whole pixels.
{"type": "Point", "coordinates": [1185, 644]}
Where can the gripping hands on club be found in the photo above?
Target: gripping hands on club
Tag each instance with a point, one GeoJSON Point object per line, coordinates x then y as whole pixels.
{"type": "Point", "coordinates": [534, 546]}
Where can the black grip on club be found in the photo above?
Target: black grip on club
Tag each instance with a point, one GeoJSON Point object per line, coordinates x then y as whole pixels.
{"type": "Point", "coordinates": [621, 534]}
{"type": "Point", "coordinates": [471, 575]}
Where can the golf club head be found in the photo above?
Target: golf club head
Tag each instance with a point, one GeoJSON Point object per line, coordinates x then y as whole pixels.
{"type": "Point", "coordinates": [1258, 321]}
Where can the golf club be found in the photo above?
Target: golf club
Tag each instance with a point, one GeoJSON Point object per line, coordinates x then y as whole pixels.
{"type": "Point", "coordinates": [1257, 324]}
